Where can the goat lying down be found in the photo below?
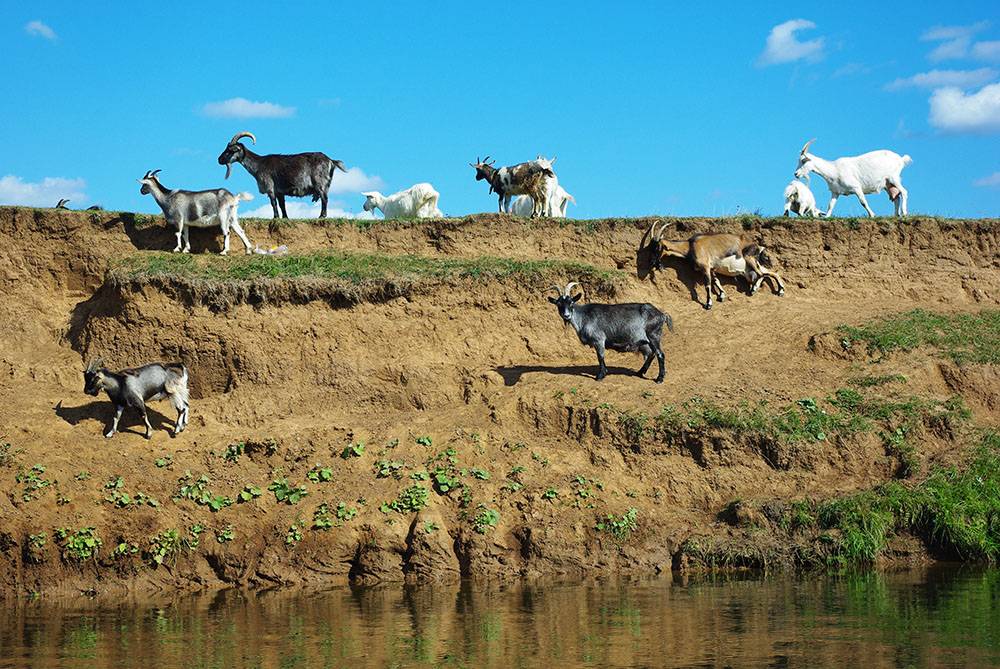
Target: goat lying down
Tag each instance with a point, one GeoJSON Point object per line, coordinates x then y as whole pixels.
{"type": "Point", "coordinates": [134, 387]}
{"type": "Point", "coordinates": [623, 327]}
{"type": "Point", "coordinates": [712, 254]}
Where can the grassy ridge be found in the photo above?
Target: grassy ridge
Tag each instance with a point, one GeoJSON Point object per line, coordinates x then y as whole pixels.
{"type": "Point", "coordinates": [349, 266]}
{"type": "Point", "coordinates": [961, 337]}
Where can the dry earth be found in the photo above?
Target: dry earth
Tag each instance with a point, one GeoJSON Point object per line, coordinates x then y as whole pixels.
{"type": "Point", "coordinates": [481, 367]}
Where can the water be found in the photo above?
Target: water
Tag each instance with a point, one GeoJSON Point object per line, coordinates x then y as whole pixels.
{"type": "Point", "coordinates": [937, 617]}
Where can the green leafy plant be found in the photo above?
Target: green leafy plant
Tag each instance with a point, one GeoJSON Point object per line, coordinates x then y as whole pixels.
{"type": "Point", "coordinates": [80, 545]}
{"type": "Point", "coordinates": [164, 546]}
{"type": "Point", "coordinates": [353, 450]}
{"type": "Point", "coordinates": [234, 451]}
{"type": "Point", "coordinates": [387, 468]}
{"type": "Point", "coordinates": [286, 493]}
{"type": "Point", "coordinates": [550, 493]}
{"type": "Point", "coordinates": [484, 519]}
{"type": "Point", "coordinates": [33, 482]}
{"type": "Point", "coordinates": [249, 492]}
{"type": "Point", "coordinates": [321, 518]}
{"type": "Point", "coordinates": [165, 461]}
{"type": "Point", "coordinates": [620, 528]}
{"type": "Point", "coordinates": [294, 534]}
{"type": "Point", "coordinates": [227, 534]}
{"type": "Point", "coordinates": [320, 474]}
{"type": "Point", "coordinates": [413, 498]}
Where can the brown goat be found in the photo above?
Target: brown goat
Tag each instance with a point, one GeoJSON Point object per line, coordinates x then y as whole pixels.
{"type": "Point", "coordinates": [711, 254]}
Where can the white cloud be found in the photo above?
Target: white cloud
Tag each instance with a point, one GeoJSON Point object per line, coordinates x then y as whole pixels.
{"type": "Point", "coordinates": [783, 47]}
{"type": "Point", "coordinates": [987, 51]}
{"type": "Point", "coordinates": [851, 69]}
{"type": "Point", "coordinates": [243, 108]}
{"type": "Point", "coordinates": [40, 29]}
{"type": "Point", "coordinates": [309, 210]}
{"type": "Point", "coordinates": [953, 110]}
{"type": "Point", "coordinates": [14, 190]}
{"type": "Point", "coordinates": [965, 79]}
{"type": "Point", "coordinates": [355, 181]}
{"type": "Point", "coordinates": [955, 40]}
{"type": "Point", "coordinates": [992, 181]}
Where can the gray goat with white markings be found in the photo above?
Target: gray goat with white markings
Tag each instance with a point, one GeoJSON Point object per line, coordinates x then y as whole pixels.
{"type": "Point", "coordinates": [631, 326]}
{"type": "Point", "coordinates": [201, 209]}
{"type": "Point", "coordinates": [134, 387]}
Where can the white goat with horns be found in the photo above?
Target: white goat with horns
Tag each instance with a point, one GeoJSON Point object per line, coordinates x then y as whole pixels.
{"type": "Point", "coordinates": [871, 172]}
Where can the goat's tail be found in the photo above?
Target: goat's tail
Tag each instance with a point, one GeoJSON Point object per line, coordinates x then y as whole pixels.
{"type": "Point", "coordinates": [670, 321]}
{"type": "Point", "coordinates": [177, 388]}
{"type": "Point", "coordinates": [335, 164]}
{"type": "Point", "coordinates": [907, 160]}
{"type": "Point", "coordinates": [244, 196]}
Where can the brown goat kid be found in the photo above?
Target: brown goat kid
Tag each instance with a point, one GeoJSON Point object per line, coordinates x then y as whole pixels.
{"type": "Point", "coordinates": [712, 254]}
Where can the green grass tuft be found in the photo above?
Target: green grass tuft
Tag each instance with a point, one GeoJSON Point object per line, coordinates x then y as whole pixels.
{"type": "Point", "coordinates": [961, 337]}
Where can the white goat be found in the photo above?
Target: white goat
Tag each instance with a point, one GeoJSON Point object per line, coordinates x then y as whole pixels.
{"type": "Point", "coordinates": [556, 203]}
{"type": "Point", "coordinates": [799, 199]}
{"type": "Point", "coordinates": [419, 201]}
{"type": "Point", "coordinates": [201, 209]}
{"type": "Point", "coordinates": [871, 172]}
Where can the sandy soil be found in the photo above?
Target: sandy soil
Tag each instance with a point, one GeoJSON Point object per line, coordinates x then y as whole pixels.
{"type": "Point", "coordinates": [477, 371]}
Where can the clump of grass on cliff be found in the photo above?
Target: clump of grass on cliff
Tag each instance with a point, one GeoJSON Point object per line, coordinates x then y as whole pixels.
{"type": "Point", "coordinates": [353, 272]}
{"type": "Point", "coordinates": [956, 511]}
{"type": "Point", "coordinates": [961, 337]}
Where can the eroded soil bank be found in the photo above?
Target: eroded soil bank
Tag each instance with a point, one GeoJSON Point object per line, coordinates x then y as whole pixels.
{"type": "Point", "coordinates": [489, 450]}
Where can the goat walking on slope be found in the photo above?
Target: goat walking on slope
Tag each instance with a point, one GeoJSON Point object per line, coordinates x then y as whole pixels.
{"type": "Point", "coordinates": [712, 254]}
{"type": "Point", "coordinates": [868, 173]}
{"type": "Point", "coordinates": [417, 201]}
{"type": "Point", "coordinates": [134, 387]}
{"type": "Point", "coordinates": [623, 327]}
{"type": "Point", "coordinates": [799, 200]}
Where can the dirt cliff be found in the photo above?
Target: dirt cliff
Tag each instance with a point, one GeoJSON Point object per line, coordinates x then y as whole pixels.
{"type": "Point", "coordinates": [433, 427]}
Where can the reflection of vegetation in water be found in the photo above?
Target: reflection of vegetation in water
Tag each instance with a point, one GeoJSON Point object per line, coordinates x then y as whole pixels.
{"type": "Point", "coordinates": [933, 618]}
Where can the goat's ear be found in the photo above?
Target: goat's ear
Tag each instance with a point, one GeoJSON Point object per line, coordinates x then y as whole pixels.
{"type": "Point", "coordinates": [577, 298]}
{"type": "Point", "coordinates": [553, 300]}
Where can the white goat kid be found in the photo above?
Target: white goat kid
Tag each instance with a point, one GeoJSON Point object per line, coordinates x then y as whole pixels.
{"type": "Point", "coordinates": [799, 200]}
{"type": "Point", "coordinates": [419, 201]}
{"type": "Point", "coordinates": [871, 172]}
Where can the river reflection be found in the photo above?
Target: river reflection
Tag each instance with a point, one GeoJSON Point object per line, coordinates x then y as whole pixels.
{"type": "Point", "coordinates": [933, 617]}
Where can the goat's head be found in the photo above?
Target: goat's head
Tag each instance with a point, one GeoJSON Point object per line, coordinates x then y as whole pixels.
{"type": "Point", "coordinates": [148, 181]}
{"type": "Point", "coordinates": [62, 203]}
{"type": "Point", "coordinates": [370, 201]}
{"type": "Point", "coordinates": [647, 257]}
{"type": "Point", "coordinates": [93, 378]}
{"type": "Point", "coordinates": [484, 168]}
{"type": "Point", "coordinates": [565, 302]}
{"type": "Point", "coordinates": [805, 166]}
{"type": "Point", "coordinates": [235, 151]}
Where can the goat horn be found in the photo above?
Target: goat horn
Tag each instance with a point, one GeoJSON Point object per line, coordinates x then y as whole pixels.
{"type": "Point", "coordinates": [659, 234]}
{"type": "Point", "coordinates": [806, 147]}
{"type": "Point", "coordinates": [555, 288]}
{"type": "Point", "coordinates": [569, 287]}
{"type": "Point", "coordinates": [240, 135]}
{"type": "Point", "coordinates": [645, 235]}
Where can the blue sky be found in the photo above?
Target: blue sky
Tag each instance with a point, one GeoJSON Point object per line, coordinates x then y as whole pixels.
{"type": "Point", "coordinates": [651, 108]}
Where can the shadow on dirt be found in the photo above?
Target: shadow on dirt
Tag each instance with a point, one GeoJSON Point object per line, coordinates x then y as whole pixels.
{"type": "Point", "coordinates": [103, 412]}
{"type": "Point", "coordinates": [511, 375]}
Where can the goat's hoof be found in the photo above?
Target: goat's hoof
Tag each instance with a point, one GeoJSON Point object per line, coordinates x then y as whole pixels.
{"type": "Point", "coordinates": [108, 435]}
{"type": "Point", "coordinates": [599, 377]}
{"type": "Point", "coordinates": [722, 298]}
{"type": "Point", "coordinates": [708, 306]}
{"type": "Point", "coordinates": [780, 293]}
{"type": "Point", "coordinates": [659, 379]}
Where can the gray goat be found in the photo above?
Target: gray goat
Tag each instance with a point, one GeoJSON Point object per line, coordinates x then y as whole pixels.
{"type": "Point", "coordinates": [133, 387]}
{"type": "Point", "coordinates": [631, 326]}
{"type": "Point", "coordinates": [297, 175]}
{"type": "Point", "coordinates": [201, 209]}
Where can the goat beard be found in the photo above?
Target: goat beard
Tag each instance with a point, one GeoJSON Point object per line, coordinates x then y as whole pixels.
{"type": "Point", "coordinates": [229, 169]}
